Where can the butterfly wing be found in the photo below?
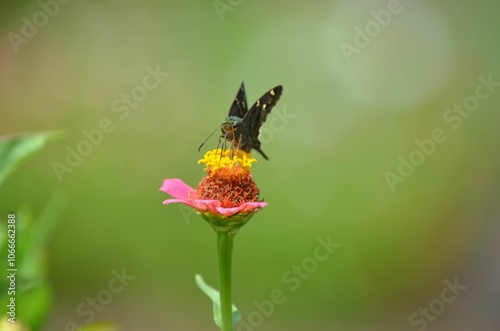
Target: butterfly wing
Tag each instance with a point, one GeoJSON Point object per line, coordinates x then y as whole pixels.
{"type": "Point", "coordinates": [250, 125]}
{"type": "Point", "coordinates": [239, 106]}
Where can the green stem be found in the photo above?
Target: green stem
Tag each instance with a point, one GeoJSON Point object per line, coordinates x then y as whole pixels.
{"type": "Point", "coordinates": [225, 252]}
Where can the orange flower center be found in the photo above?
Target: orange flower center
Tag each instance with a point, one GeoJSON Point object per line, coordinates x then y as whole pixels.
{"type": "Point", "coordinates": [228, 180]}
{"type": "Point", "coordinates": [231, 191]}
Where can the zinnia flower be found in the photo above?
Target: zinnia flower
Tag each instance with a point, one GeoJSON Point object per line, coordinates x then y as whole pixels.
{"type": "Point", "coordinates": [227, 197]}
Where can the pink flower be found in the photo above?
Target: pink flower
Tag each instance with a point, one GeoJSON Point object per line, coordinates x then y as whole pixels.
{"type": "Point", "coordinates": [227, 197]}
{"type": "Point", "coordinates": [183, 193]}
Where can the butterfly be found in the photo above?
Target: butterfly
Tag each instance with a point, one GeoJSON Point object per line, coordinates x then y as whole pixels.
{"type": "Point", "coordinates": [242, 126]}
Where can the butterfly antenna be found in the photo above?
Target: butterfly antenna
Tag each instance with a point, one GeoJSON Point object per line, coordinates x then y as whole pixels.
{"type": "Point", "coordinates": [199, 148]}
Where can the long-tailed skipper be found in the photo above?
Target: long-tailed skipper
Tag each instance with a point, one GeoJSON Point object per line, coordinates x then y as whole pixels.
{"type": "Point", "coordinates": [241, 126]}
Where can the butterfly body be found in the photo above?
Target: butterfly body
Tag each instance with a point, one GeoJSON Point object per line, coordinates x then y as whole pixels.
{"type": "Point", "coordinates": [229, 129]}
{"type": "Point", "coordinates": [242, 125]}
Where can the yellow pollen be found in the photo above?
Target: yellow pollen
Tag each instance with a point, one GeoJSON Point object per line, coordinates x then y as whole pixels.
{"type": "Point", "coordinates": [218, 159]}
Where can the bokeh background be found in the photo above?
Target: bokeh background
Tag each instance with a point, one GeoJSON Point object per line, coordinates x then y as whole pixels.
{"type": "Point", "coordinates": [352, 107]}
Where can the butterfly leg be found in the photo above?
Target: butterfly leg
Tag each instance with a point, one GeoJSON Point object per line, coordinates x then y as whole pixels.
{"type": "Point", "coordinates": [238, 143]}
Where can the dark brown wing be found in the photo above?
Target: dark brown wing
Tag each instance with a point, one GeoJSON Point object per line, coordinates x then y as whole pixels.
{"type": "Point", "coordinates": [249, 128]}
{"type": "Point", "coordinates": [239, 107]}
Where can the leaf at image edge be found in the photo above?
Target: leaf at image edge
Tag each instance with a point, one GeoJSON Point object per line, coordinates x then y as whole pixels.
{"type": "Point", "coordinates": [14, 149]}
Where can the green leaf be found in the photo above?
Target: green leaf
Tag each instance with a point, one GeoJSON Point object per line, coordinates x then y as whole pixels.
{"type": "Point", "coordinates": [16, 148]}
{"type": "Point", "coordinates": [40, 232]}
{"type": "Point", "coordinates": [33, 295]}
{"type": "Point", "coordinates": [34, 304]}
{"type": "Point", "coordinates": [213, 294]}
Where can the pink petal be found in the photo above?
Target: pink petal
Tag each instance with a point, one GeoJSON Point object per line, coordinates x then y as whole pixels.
{"type": "Point", "coordinates": [214, 207]}
{"type": "Point", "coordinates": [251, 206]}
{"type": "Point", "coordinates": [180, 191]}
{"type": "Point", "coordinates": [198, 207]}
{"type": "Point", "coordinates": [227, 212]}
{"type": "Point", "coordinates": [176, 188]}
{"type": "Point", "coordinates": [169, 201]}
{"type": "Point", "coordinates": [245, 207]}
{"type": "Point", "coordinates": [209, 205]}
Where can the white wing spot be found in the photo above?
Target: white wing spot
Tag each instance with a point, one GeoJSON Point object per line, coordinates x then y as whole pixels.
{"type": "Point", "coordinates": [272, 93]}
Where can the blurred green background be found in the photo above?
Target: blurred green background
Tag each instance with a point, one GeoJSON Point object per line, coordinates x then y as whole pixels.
{"type": "Point", "coordinates": [353, 105]}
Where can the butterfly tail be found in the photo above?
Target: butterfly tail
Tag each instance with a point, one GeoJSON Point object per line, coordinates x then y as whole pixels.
{"type": "Point", "coordinates": [261, 153]}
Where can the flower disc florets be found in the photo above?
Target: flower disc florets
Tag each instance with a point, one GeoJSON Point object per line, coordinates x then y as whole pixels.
{"type": "Point", "coordinates": [218, 159]}
{"type": "Point", "coordinates": [229, 179]}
